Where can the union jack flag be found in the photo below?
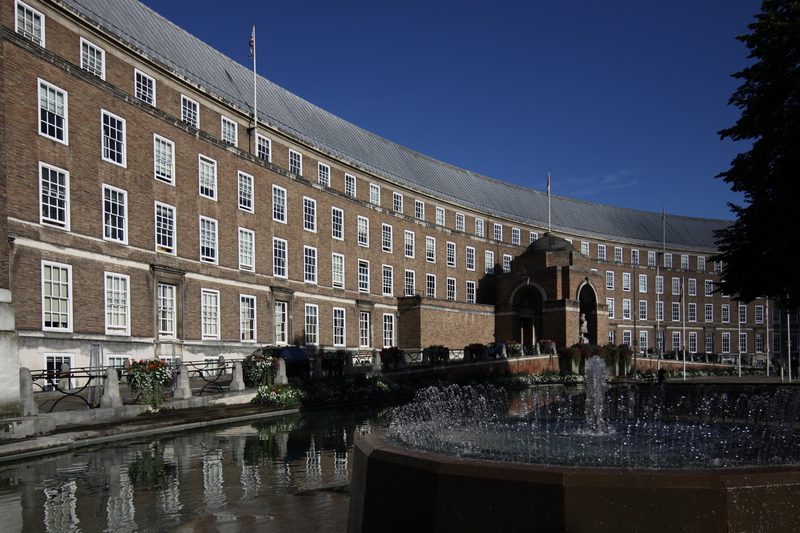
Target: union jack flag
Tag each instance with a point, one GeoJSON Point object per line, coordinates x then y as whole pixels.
{"type": "Point", "coordinates": [252, 43]}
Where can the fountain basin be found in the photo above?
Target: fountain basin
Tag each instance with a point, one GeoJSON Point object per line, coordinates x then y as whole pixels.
{"type": "Point", "coordinates": [399, 489]}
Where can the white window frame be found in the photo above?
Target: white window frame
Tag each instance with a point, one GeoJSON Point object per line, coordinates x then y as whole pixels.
{"type": "Point", "coordinates": [651, 258]}
{"type": "Point", "coordinates": [115, 214]}
{"type": "Point", "coordinates": [190, 111]}
{"type": "Point", "coordinates": [310, 264]}
{"type": "Point", "coordinates": [430, 285]}
{"type": "Point", "coordinates": [364, 329]}
{"type": "Point", "coordinates": [460, 222]}
{"type": "Point", "coordinates": [676, 312]}
{"type": "Point", "coordinates": [362, 227]}
{"type": "Point", "coordinates": [209, 240]}
{"type": "Point", "coordinates": [634, 257]}
{"type": "Point", "coordinates": [408, 243]}
{"type": "Point", "coordinates": [337, 270]}
{"type": "Point", "coordinates": [164, 232]}
{"type": "Point", "coordinates": [207, 177]}
{"type": "Point", "coordinates": [386, 238]}
{"type": "Point", "coordinates": [247, 249]}
{"type": "Point", "coordinates": [166, 311]}
{"type": "Point", "coordinates": [163, 159]}
{"type": "Point", "coordinates": [667, 260]}
{"type": "Point", "coordinates": [498, 232]}
{"type": "Point", "coordinates": [626, 281]}
{"type": "Point", "coordinates": [295, 162]}
{"type": "Point", "coordinates": [281, 319]}
{"type": "Point", "coordinates": [601, 252]}
{"type": "Point", "coordinates": [488, 262]}
{"type": "Point", "coordinates": [397, 202]}
{"type": "Point", "coordinates": [626, 309]}
{"type": "Point", "coordinates": [479, 227]}
{"type": "Point", "coordinates": [350, 185]}
{"type": "Point", "coordinates": [246, 192]}
{"type": "Point", "coordinates": [430, 249]}
{"type": "Point", "coordinates": [279, 204]}
{"type": "Point", "coordinates": [643, 283]}
{"type": "Point", "coordinates": [337, 223]}
{"type": "Point", "coordinates": [309, 214]}
{"type": "Point", "coordinates": [28, 28]}
{"type": "Point", "coordinates": [610, 280]}
{"type": "Point", "coordinates": [684, 262]}
{"type": "Point", "coordinates": [374, 194]}
{"type": "Point", "coordinates": [725, 314]}
{"type": "Point", "coordinates": [618, 254]}
{"type": "Point", "coordinates": [229, 131]}
{"type": "Point", "coordinates": [610, 305]}
{"type": "Point", "coordinates": [93, 58]}
{"type": "Point", "coordinates": [248, 318]}
{"type": "Point", "coordinates": [144, 87]}
{"type": "Point", "coordinates": [339, 326]}
{"type": "Point", "coordinates": [709, 313]}
{"type": "Point", "coordinates": [584, 248]}
{"type": "Point", "coordinates": [691, 312]}
{"type": "Point", "coordinates": [387, 280]}
{"type": "Point", "coordinates": [209, 314]}
{"type": "Point", "coordinates": [469, 258]}
{"type": "Point", "coordinates": [56, 297]}
{"type": "Point", "coordinates": [507, 258]}
{"type": "Point", "coordinates": [363, 275]}
{"type": "Point", "coordinates": [57, 113]}
{"type": "Point", "coordinates": [419, 209]}
{"type": "Point", "coordinates": [264, 148]}
{"type": "Point", "coordinates": [388, 330]}
{"type": "Point", "coordinates": [324, 174]}
{"type": "Point", "coordinates": [450, 254]}
{"type": "Point", "coordinates": [692, 288]}
{"type": "Point", "coordinates": [58, 197]}
{"type": "Point", "coordinates": [451, 289]}
{"type": "Point", "coordinates": [440, 216]}
{"type": "Point", "coordinates": [471, 292]}
{"type": "Point", "coordinates": [659, 284]}
{"type": "Point", "coordinates": [516, 237]}
{"type": "Point", "coordinates": [311, 325]}
{"type": "Point", "coordinates": [107, 146]}
{"type": "Point", "coordinates": [409, 283]}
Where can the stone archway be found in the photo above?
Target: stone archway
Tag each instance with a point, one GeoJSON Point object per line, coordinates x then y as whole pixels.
{"type": "Point", "coordinates": [587, 297]}
{"type": "Point", "coordinates": [528, 303]}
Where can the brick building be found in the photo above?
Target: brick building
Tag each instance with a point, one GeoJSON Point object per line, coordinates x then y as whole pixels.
{"type": "Point", "coordinates": [145, 215]}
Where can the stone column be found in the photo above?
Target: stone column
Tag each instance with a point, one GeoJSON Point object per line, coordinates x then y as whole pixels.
{"type": "Point", "coordinates": [183, 391]}
{"type": "Point", "coordinates": [281, 378]}
{"type": "Point", "coordinates": [237, 383]}
{"type": "Point", "coordinates": [29, 405]}
{"type": "Point", "coordinates": [111, 396]}
{"type": "Point", "coordinates": [10, 401]}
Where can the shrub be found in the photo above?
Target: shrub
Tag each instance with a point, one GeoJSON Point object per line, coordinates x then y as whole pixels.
{"type": "Point", "coordinates": [150, 379]}
{"type": "Point", "coordinates": [438, 354]}
{"type": "Point", "coordinates": [259, 369]}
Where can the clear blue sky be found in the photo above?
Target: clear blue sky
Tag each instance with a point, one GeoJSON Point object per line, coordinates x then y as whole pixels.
{"type": "Point", "coordinates": [620, 100]}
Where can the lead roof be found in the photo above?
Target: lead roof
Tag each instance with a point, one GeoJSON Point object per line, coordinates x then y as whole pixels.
{"type": "Point", "coordinates": [166, 43]}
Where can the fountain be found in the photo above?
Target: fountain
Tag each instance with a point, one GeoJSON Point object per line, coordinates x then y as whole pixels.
{"type": "Point", "coordinates": [625, 459]}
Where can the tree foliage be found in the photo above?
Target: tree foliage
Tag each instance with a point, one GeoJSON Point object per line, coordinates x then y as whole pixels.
{"type": "Point", "coordinates": [759, 247]}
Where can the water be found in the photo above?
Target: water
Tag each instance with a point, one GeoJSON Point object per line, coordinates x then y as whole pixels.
{"type": "Point", "coordinates": [272, 474]}
{"type": "Point", "coordinates": [624, 428]}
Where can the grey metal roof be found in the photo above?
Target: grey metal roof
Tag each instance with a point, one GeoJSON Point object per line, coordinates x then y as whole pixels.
{"type": "Point", "coordinates": [165, 42]}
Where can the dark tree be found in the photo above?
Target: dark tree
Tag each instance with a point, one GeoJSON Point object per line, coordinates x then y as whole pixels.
{"type": "Point", "coordinates": [761, 249]}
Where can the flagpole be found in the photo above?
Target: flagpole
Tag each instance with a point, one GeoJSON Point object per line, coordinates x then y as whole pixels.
{"type": "Point", "coordinates": [548, 203]}
{"type": "Point", "coordinates": [255, 90]}
{"type": "Point", "coordinates": [683, 339]}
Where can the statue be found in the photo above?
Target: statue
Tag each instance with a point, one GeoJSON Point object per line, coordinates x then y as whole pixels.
{"type": "Point", "coordinates": [584, 329]}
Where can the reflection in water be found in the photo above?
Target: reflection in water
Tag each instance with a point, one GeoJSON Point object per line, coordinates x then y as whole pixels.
{"type": "Point", "coordinates": [289, 472]}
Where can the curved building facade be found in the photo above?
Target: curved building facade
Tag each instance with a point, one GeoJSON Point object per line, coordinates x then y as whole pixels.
{"type": "Point", "coordinates": [147, 216]}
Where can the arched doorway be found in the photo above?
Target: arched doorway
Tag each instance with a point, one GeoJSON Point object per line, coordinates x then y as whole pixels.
{"type": "Point", "coordinates": [588, 310]}
{"type": "Point", "coordinates": [528, 303]}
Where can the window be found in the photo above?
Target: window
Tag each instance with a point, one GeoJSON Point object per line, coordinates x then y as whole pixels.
{"type": "Point", "coordinates": [601, 252]}
{"type": "Point", "coordinates": [626, 337]}
{"type": "Point", "coordinates": [281, 322]}
{"type": "Point", "coordinates": [743, 342]}
{"type": "Point", "coordinates": [113, 138]}
{"type": "Point", "coordinates": [440, 216]}
{"type": "Point", "coordinates": [228, 131]}
{"type": "Point", "coordinates": [692, 312]}
{"type": "Point", "coordinates": [685, 262]}
{"type": "Point", "coordinates": [338, 326]}
{"type": "Point", "coordinates": [167, 317]}
{"type": "Point", "coordinates": [364, 329]}
{"type": "Point", "coordinates": [742, 311]}
{"type": "Point", "coordinates": [115, 220]}
{"type": "Point", "coordinates": [659, 284]}
{"type": "Point", "coordinates": [409, 287]}
{"type": "Point", "coordinates": [618, 254]}
{"type": "Point", "coordinates": [759, 343]}
{"type": "Point", "coordinates": [709, 342]}
{"type": "Point", "coordinates": [726, 313]}
{"type": "Point", "coordinates": [488, 262]}
{"type": "Point", "coordinates": [626, 309]}
{"type": "Point", "coordinates": [245, 192]}
{"type": "Point", "coordinates": [30, 23]}
{"type": "Point", "coordinates": [279, 266]}
{"type": "Point", "coordinates": [190, 111]}
{"type": "Point", "coordinates": [374, 194]}
{"type": "Point", "coordinates": [337, 270]}
{"type": "Point", "coordinates": [759, 314]}
{"type": "Point", "coordinates": [709, 286]}
{"type": "Point", "coordinates": [692, 287]}
{"type": "Point", "coordinates": [585, 248]}
{"type": "Point", "coordinates": [667, 260]}
{"type": "Point", "coordinates": [324, 174]}
{"type": "Point", "coordinates": [692, 342]}
{"type": "Point", "coordinates": [469, 259]}
{"type": "Point", "coordinates": [450, 254]}
{"type": "Point", "coordinates": [612, 336]}
{"type": "Point", "coordinates": [479, 227]}
{"type": "Point", "coordinates": [117, 308]}
{"type": "Point", "coordinates": [676, 286]}
{"type": "Point", "coordinates": [451, 289]}
{"type": "Point", "coordinates": [642, 282]}
{"type": "Point", "coordinates": [247, 317]}
{"type": "Point", "coordinates": [278, 204]}
{"type": "Point", "coordinates": [309, 264]}
{"type": "Point", "coordinates": [208, 240]}
{"type": "Point", "coordinates": [610, 304]}
{"type": "Point", "coordinates": [709, 315]}
{"type": "Point", "coordinates": [93, 59]}
{"type": "Point", "coordinates": [651, 258]}
{"type": "Point", "coordinates": [609, 279]}
{"type": "Point", "coordinates": [397, 202]}
{"type": "Point", "coordinates": [626, 281]}
{"type": "Point", "coordinates": [408, 243]}
{"type": "Point", "coordinates": [363, 231]}
{"type": "Point", "coordinates": [388, 330]}
{"type": "Point", "coordinates": [52, 112]}
{"type": "Point", "coordinates": [207, 172]}
{"type": "Point", "coordinates": [459, 222]}
{"type": "Point", "coordinates": [498, 232]}
{"type": "Point", "coordinates": [246, 249]}
{"type": "Point", "coordinates": [471, 292]}
{"type": "Point", "coordinates": [660, 311]}
{"type": "Point", "coordinates": [726, 342]}
{"type": "Point", "coordinates": [350, 185]}
{"type": "Point", "coordinates": [386, 238]}
{"type": "Point", "coordinates": [419, 209]}
{"type": "Point", "coordinates": [701, 263]}
{"type": "Point", "coordinates": [506, 263]}
{"type": "Point", "coordinates": [54, 194]}
{"type": "Point", "coordinates": [210, 313]}
{"type": "Point", "coordinates": [163, 159]}
{"type": "Point", "coordinates": [296, 162]}
{"type": "Point", "coordinates": [644, 340]}
{"type": "Point", "coordinates": [165, 228]}
{"type": "Point", "coordinates": [387, 280]}
{"type": "Point", "coordinates": [311, 324]}
{"type": "Point", "coordinates": [676, 341]}
{"type": "Point", "coordinates": [676, 312]}
{"type": "Point", "coordinates": [56, 297]}
{"type": "Point", "coordinates": [634, 257]}
{"type": "Point", "coordinates": [144, 87]}
{"type": "Point", "coordinates": [309, 214]}
{"type": "Point", "coordinates": [337, 223]}
{"type": "Point", "coordinates": [515, 238]}
{"type": "Point", "coordinates": [430, 249]}
{"type": "Point", "coordinates": [776, 342]}
{"type": "Point", "coordinates": [430, 285]}
{"type": "Point", "coordinates": [642, 309]}
{"type": "Point", "coordinates": [718, 267]}
{"type": "Point", "coordinates": [263, 148]}
{"type": "Point", "coordinates": [363, 276]}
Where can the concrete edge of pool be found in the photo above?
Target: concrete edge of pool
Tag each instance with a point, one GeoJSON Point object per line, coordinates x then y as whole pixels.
{"type": "Point", "coordinates": [397, 489]}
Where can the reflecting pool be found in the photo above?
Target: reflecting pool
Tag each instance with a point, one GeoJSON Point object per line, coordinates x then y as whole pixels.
{"type": "Point", "coordinates": [285, 473]}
